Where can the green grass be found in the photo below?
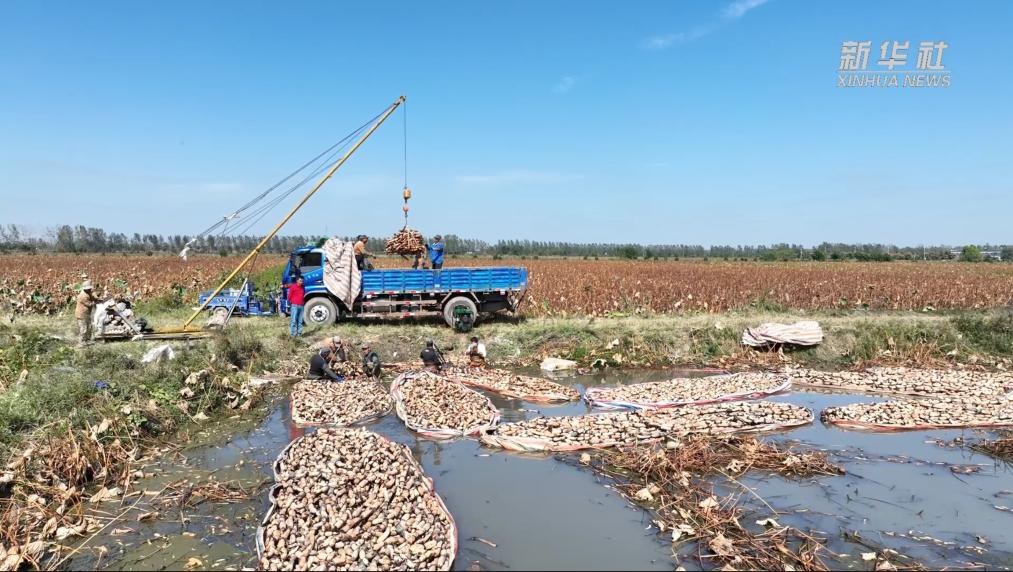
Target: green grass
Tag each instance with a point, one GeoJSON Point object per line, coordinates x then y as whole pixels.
{"type": "Point", "coordinates": [990, 334]}
{"type": "Point", "coordinates": [60, 387]}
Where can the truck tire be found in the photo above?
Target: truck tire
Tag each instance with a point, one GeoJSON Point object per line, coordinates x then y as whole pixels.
{"type": "Point", "coordinates": [320, 311]}
{"type": "Point", "coordinates": [448, 308]}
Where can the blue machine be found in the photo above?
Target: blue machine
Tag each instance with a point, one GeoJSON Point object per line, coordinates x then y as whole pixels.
{"type": "Point", "coordinates": [458, 295]}
{"type": "Point", "coordinates": [244, 300]}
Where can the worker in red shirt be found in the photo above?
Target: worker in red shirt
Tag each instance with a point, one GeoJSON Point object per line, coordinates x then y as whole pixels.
{"type": "Point", "coordinates": [296, 298]}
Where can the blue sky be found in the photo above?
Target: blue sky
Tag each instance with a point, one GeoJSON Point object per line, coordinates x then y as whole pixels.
{"type": "Point", "coordinates": [656, 122]}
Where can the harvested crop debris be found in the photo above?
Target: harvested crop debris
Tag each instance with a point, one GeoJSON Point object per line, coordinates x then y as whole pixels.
{"type": "Point", "coordinates": [935, 413]}
{"type": "Point", "coordinates": [666, 479]}
{"type": "Point", "coordinates": [688, 391]}
{"type": "Point", "coordinates": [637, 427]}
{"type": "Point", "coordinates": [339, 404]}
{"type": "Point", "coordinates": [388, 516]}
{"type": "Point", "coordinates": [182, 494]}
{"type": "Point", "coordinates": [534, 389]}
{"type": "Point", "coordinates": [998, 448]}
{"type": "Point", "coordinates": [439, 408]}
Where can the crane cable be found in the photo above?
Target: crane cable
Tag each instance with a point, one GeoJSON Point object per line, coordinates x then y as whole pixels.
{"type": "Point", "coordinates": [228, 225]}
{"type": "Point", "coordinates": [406, 193]}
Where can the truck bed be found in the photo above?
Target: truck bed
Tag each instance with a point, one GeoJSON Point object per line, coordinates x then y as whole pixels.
{"type": "Point", "coordinates": [407, 281]}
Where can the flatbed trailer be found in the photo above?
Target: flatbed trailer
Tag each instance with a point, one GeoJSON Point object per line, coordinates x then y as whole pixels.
{"type": "Point", "coordinates": [455, 294]}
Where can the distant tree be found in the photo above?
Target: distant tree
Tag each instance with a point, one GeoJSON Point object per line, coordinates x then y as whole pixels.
{"type": "Point", "coordinates": [65, 239]}
{"type": "Point", "coordinates": [629, 252]}
{"type": "Point", "coordinates": [818, 255]}
{"type": "Point", "coordinates": [1007, 253]}
{"type": "Point", "coordinates": [970, 253]}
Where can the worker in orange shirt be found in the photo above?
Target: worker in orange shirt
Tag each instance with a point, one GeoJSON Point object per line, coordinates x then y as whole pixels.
{"type": "Point", "coordinates": [361, 254]}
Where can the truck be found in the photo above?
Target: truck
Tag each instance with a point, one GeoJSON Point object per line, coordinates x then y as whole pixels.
{"type": "Point", "coordinates": [458, 295]}
{"type": "Point", "coordinates": [240, 301]}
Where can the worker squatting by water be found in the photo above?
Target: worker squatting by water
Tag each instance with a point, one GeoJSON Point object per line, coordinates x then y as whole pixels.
{"type": "Point", "coordinates": [476, 353]}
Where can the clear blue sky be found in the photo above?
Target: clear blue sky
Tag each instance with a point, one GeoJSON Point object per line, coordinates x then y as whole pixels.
{"type": "Point", "coordinates": [656, 122]}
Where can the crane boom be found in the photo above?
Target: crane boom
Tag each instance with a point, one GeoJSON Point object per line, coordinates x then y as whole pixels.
{"type": "Point", "coordinates": [267, 238]}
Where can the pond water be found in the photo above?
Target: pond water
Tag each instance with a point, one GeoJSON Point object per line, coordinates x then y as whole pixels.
{"type": "Point", "coordinates": [517, 511]}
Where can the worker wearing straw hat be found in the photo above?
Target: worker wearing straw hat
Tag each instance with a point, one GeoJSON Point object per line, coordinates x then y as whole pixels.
{"type": "Point", "coordinates": [83, 313]}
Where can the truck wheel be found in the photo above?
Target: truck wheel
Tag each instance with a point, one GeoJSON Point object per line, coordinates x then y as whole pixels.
{"type": "Point", "coordinates": [453, 303]}
{"type": "Point", "coordinates": [320, 312]}
{"type": "Point", "coordinates": [221, 311]}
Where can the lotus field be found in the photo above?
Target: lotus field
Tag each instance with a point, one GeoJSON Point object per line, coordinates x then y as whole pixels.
{"type": "Point", "coordinates": [47, 283]}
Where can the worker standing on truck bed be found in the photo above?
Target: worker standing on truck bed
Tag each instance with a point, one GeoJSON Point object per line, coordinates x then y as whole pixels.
{"type": "Point", "coordinates": [435, 251]}
{"type": "Point", "coordinates": [361, 254]}
{"type": "Point", "coordinates": [320, 366]}
{"type": "Point", "coordinates": [296, 299]}
{"type": "Point", "coordinates": [476, 353]}
{"type": "Point", "coordinates": [84, 312]}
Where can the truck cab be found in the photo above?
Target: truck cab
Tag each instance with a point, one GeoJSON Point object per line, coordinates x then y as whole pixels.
{"type": "Point", "coordinates": [458, 295]}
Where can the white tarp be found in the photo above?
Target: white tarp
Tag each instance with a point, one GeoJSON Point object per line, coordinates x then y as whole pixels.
{"type": "Point", "coordinates": [159, 353]}
{"type": "Point", "coordinates": [804, 333]}
{"type": "Point", "coordinates": [341, 275]}
{"type": "Point", "coordinates": [113, 318]}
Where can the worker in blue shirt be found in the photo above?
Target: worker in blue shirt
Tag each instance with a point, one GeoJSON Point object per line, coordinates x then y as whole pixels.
{"type": "Point", "coordinates": [435, 251]}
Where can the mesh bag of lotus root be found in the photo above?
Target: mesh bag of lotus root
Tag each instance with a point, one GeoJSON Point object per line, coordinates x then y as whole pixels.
{"type": "Point", "coordinates": [507, 384]}
{"type": "Point", "coordinates": [688, 391]}
{"type": "Point", "coordinates": [438, 408]}
{"type": "Point", "coordinates": [730, 417]}
{"type": "Point", "coordinates": [923, 414]}
{"type": "Point", "coordinates": [351, 402]}
{"type": "Point", "coordinates": [406, 242]}
{"type": "Point", "coordinates": [644, 426]}
{"type": "Point", "coordinates": [908, 381]}
{"type": "Point", "coordinates": [349, 499]}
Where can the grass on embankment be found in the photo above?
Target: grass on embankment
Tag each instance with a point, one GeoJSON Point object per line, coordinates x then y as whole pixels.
{"type": "Point", "coordinates": [48, 385]}
{"type": "Point", "coordinates": [59, 388]}
{"type": "Point", "coordinates": [851, 338]}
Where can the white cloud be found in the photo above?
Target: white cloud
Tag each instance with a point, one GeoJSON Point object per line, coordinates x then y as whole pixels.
{"type": "Point", "coordinates": [739, 8]}
{"type": "Point", "coordinates": [733, 11]}
{"type": "Point", "coordinates": [517, 177]}
{"type": "Point", "coordinates": [661, 42]}
{"type": "Point", "coordinates": [564, 84]}
{"type": "Point", "coordinates": [665, 41]}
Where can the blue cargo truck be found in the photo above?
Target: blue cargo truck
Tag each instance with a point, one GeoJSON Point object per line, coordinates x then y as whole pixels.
{"type": "Point", "coordinates": [458, 295]}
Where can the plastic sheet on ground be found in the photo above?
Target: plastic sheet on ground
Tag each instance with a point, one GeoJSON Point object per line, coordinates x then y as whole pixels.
{"type": "Point", "coordinates": [338, 403]}
{"type": "Point", "coordinates": [923, 414]}
{"type": "Point", "coordinates": [681, 392]}
{"type": "Point", "coordinates": [909, 381]}
{"type": "Point", "coordinates": [644, 426]}
{"type": "Point", "coordinates": [557, 364]}
{"type": "Point", "coordinates": [804, 333]}
{"type": "Point", "coordinates": [363, 471]}
{"type": "Point", "coordinates": [157, 354]}
{"type": "Point", "coordinates": [430, 428]}
{"type": "Point", "coordinates": [534, 389]}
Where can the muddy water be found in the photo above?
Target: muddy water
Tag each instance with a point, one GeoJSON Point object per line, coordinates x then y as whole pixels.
{"type": "Point", "coordinates": [524, 512]}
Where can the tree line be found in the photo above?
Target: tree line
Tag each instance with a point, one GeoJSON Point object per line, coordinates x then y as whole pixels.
{"type": "Point", "coordinates": [83, 239]}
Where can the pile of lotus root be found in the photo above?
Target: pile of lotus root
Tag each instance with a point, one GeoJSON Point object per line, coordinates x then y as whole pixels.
{"type": "Point", "coordinates": [353, 500]}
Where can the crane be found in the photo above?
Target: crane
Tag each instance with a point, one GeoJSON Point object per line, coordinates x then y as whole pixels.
{"type": "Point", "coordinates": [186, 330]}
